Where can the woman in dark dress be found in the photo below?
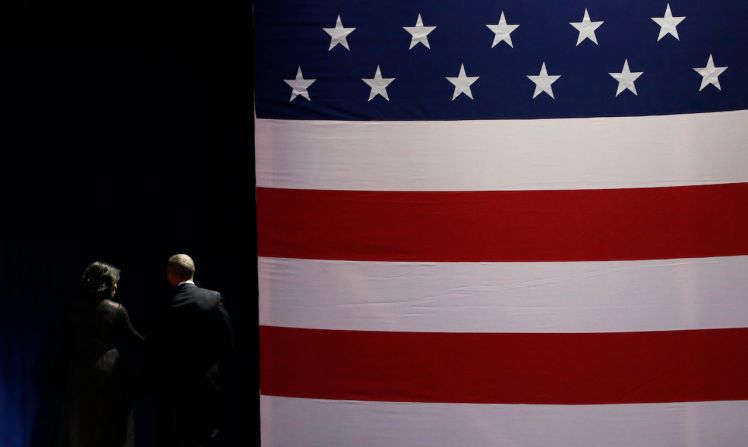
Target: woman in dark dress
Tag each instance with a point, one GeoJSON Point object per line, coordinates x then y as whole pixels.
{"type": "Point", "coordinates": [98, 403]}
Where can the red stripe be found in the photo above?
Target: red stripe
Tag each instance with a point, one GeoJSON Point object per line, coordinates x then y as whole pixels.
{"type": "Point", "coordinates": [573, 225]}
{"type": "Point", "coordinates": [598, 368]}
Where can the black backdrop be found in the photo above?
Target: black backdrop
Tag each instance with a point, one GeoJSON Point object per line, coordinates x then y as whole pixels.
{"type": "Point", "coordinates": [126, 136]}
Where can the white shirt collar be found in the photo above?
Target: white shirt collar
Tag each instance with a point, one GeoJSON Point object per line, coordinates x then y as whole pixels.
{"type": "Point", "coordinates": [189, 281]}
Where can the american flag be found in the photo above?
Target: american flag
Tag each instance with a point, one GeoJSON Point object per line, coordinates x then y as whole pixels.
{"type": "Point", "coordinates": [519, 223]}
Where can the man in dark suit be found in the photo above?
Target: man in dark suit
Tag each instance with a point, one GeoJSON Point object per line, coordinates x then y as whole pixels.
{"type": "Point", "coordinates": [191, 347]}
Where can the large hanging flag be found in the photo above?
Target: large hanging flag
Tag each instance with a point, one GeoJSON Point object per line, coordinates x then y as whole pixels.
{"type": "Point", "coordinates": [518, 223]}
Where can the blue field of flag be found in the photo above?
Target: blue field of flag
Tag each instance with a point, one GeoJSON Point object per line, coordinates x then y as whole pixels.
{"type": "Point", "coordinates": [668, 68]}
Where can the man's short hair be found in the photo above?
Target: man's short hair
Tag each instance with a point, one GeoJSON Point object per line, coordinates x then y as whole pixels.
{"type": "Point", "coordinates": [182, 265]}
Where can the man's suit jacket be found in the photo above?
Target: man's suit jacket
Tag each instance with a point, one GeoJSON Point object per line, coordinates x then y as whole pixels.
{"type": "Point", "coordinates": [196, 337]}
{"type": "Point", "coordinates": [191, 349]}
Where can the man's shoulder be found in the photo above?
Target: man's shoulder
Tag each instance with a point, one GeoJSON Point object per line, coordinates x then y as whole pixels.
{"type": "Point", "coordinates": [206, 292]}
{"type": "Point", "coordinates": [201, 296]}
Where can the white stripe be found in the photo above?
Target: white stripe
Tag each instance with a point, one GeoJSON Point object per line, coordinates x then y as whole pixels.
{"type": "Point", "coordinates": [613, 296]}
{"type": "Point", "coordinates": [291, 422]}
{"type": "Point", "coordinates": [578, 153]}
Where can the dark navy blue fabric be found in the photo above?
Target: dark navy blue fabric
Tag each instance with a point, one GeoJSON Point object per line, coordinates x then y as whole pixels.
{"type": "Point", "coordinates": [289, 34]}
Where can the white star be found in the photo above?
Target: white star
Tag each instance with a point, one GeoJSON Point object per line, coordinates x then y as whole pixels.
{"type": "Point", "coordinates": [378, 85]}
{"type": "Point", "coordinates": [626, 78]}
{"type": "Point", "coordinates": [299, 86]}
{"type": "Point", "coordinates": [710, 74]}
{"type": "Point", "coordinates": [462, 83]}
{"type": "Point", "coordinates": [502, 31]}
{"type": "Point", "coordinates": [668, 24]}
{"type": "Point", "coordinates": [419, 33]}
{"type": "Point", "coordinates": [586, 28]}
{"type": "Point", "coordinates": [339, 35]}
{"type": "Point", "coordinates": [543, 82]}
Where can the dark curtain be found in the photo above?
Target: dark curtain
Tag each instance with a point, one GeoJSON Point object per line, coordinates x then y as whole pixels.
{"type": "Point", "coordinates": [126, 136]}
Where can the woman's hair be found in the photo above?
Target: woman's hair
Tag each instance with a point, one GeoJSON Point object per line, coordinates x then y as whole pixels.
{"type": "Point", "coordinates": [97, 281]}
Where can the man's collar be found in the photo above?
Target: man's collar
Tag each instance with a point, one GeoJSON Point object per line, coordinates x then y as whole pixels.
{"type": "Point", "coordinates": [189, 281]}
